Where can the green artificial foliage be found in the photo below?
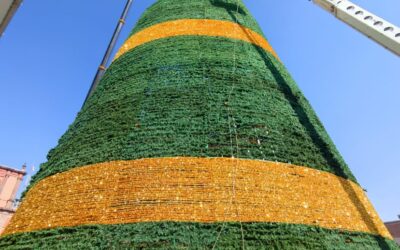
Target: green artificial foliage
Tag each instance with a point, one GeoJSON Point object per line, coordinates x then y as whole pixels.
{"type": "Point", "coordinates": [174, 235]}
{"type": "Point", "coordinates": [169, 10]}
{"type": "Point", "coordinates": [196, 96]}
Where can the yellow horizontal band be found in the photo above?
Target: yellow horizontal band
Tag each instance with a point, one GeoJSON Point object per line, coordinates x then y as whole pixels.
{"type": "Point", "coordinates": [195, 27]}
{"type": "Point", "coordinates": [196, 190]}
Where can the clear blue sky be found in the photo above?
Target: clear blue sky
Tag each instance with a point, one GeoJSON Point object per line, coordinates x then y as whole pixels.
{"type": "Point", "coordinates": [51, 49]}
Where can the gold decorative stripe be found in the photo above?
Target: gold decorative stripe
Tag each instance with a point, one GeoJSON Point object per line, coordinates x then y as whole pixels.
{"type": "Point", "coordinates": [196, 190]}
{"type": "Point", "coordinates": [195, 27]}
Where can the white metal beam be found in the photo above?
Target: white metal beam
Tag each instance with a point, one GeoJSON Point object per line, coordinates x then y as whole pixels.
{"type": "Point", "coordinates": [374, 27]}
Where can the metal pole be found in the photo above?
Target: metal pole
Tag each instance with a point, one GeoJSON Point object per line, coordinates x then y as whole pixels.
{"type": "Point", "coordinates": [110, 48]}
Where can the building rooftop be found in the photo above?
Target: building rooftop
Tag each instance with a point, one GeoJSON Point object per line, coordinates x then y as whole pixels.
{"type": "Point", "coordinates": [23, 171]}
{"type": "Point", "coordinates": [7, 10]}
{"type": "Point", "coordinates": [394, 229]}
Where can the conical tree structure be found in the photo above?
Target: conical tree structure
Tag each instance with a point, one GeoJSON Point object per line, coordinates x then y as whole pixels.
{"type": "Point", "coordinates": [196, 138]}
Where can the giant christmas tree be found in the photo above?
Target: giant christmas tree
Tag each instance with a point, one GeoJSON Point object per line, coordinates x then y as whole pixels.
{"type": "Point", "coordinates": [196, 138]}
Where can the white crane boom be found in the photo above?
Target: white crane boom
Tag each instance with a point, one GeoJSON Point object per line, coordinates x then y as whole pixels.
{"type": "Point", "coordinates": [374, 27]}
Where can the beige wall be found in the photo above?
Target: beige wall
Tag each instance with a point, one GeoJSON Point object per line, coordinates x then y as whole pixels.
{"type": "Point", "coordinates": [5, 218]}
{"type": "Point", "coordinates": [10, 181]}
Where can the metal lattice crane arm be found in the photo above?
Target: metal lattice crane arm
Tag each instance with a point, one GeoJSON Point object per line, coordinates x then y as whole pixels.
{"type": "Point", "coordinates": [374, 27]}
